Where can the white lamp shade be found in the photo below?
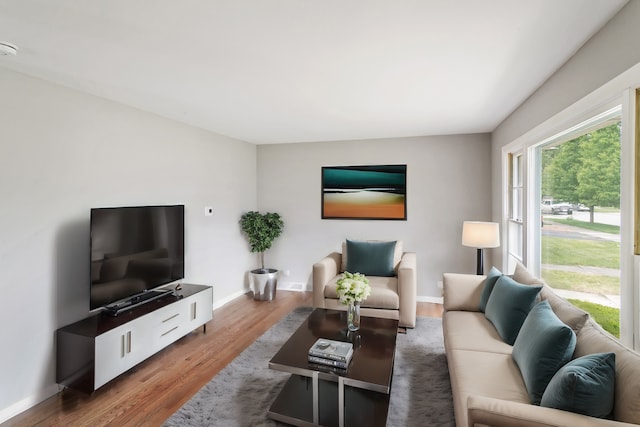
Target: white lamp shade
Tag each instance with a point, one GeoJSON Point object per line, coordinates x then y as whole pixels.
{"type": "Point", "coordinates": [478, 234]}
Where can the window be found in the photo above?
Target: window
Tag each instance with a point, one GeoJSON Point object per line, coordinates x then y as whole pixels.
{"type": "Point", "coordinates": [579, 239]}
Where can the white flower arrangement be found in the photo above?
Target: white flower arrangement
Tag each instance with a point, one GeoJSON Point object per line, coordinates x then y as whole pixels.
{"type": "Point", "coordinates": [353, 287]}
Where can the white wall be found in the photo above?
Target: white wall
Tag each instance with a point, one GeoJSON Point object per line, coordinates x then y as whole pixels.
{"type": "Point", "coordinates": [448, 181]}
{"type": "Point", "coordinates": [613, 50]}
{"type": "Point", "coordinates": [62, 153]}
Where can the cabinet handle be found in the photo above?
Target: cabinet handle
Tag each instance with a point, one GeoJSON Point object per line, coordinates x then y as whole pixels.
{"type": "Point", "coordinates": [170, 330]}
{"type": "Point", "coordinates": [129, 342]}
{"type": "Point", "coordinates": [172, 317]}
{"type": "Point", "coordinates": [194, 307]}
{"type": "Point", "coordinates": [123, 348]}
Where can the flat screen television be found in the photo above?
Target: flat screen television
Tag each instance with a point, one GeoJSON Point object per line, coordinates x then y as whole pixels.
{"type": "Point", "coordinates": [134, 250]}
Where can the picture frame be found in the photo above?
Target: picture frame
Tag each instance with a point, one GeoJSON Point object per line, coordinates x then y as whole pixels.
{"type": "Point", "coordinates": [364, 192]}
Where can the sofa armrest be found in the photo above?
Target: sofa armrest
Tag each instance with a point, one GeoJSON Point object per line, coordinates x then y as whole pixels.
{"type": "Point", "coordinates": [323, 271]}
{"type": "Point", "coordinates": [487, 411]}
{"type": "Point", "coordinates": [462, 291]}
{"type": "Point", "coordinates": [407, 289]}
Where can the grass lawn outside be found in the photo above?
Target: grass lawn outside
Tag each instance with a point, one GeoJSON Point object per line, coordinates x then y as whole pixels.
{"type": "Point", "coordinates": [588, 283]}
{"type": "Point", "coordinates": [588, 253]}
{"type": "Point", "coordinates": [607, 317]}
{"type": "Point", "coordinates": [592, 253]}
{"type": "Point", "coordinates": [604, 228]}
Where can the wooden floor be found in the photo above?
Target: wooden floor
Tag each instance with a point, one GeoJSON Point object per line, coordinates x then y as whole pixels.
{"type": "Point", "coordinates": [149, 393]}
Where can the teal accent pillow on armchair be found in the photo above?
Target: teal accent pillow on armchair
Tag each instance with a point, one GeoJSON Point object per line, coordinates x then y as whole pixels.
{"type": "Point", "coordinates": [543, 346]}
{"type": "Point", "coordinates": [370, 258]}
{"type": "Point", "coordinates": [508, 306]}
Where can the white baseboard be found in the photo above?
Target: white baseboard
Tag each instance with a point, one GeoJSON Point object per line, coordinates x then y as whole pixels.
{"type": "Point", "coordinates": [292, 286]}
{"type": "Point", "coordinates": [435, 300]}
{"type": "Point", "coordinates": [219, 303]}
{"type": "Point", "coordinates": [284, 286]}
{"type": "Point", "coordinates": [28, 402]}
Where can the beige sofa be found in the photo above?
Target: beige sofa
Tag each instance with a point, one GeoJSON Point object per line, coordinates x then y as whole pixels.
{"type": "Point", "coordinates": [487, 386]}
{"type": "Point", "coordinates": [391, 297]}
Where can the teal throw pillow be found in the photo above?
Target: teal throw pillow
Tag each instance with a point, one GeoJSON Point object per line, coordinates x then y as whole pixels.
{"type": "Point", "coordinates": [489, 283]}
{"type": "Point", "coordinates": [370, 258]}
{"type": "Point", "coordinates": [543, 346]}
{"type": "Point", "coordinates": [585, 385]}
{"type": "Point", "coordinates": [508, 306]}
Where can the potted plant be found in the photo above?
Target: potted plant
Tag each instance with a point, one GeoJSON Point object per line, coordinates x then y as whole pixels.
{"type": "Point", "coordinates": [261, 231]}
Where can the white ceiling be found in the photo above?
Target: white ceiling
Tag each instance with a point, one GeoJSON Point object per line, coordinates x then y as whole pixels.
{"type": "Point", "coordinates": [278, 71]}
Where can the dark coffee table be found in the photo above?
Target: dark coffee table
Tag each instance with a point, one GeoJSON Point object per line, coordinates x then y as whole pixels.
{"type": "Point", "coordinates": [316, 396]}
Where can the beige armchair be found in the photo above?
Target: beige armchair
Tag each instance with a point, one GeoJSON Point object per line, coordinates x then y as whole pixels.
{"type": "Point", "coordinates": [391, 297]}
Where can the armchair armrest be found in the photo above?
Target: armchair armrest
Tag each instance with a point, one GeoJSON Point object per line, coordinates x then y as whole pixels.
{"type": "Point", "coordinates": [462, 291]}
{"type": "Point", "coordinates": [323, 271]}
{"type": "Point", "coordinates": [407, 288]}
{"type": "Point", "coordinates": [487, 411]}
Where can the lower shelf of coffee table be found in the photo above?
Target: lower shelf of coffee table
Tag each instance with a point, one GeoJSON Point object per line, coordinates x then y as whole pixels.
{"type": "Point", "coordinates": [294, 404]}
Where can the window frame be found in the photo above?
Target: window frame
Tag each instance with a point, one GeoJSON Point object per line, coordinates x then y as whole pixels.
{"type": "Point", "coordinates": [516, 201]}
{"type": "Point", "coordinates": [627, 103]}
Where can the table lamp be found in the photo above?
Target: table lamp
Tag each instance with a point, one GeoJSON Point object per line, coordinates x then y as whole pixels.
{"type": "Point", "coordinates": [480, 235]}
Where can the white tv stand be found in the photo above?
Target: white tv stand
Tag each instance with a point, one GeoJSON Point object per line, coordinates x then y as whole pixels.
{"type": "Point", "coordinates": [97, 349]}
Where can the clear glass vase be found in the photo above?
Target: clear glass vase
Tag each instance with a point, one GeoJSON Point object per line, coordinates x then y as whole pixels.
{"type": "Point", "coordinates": [353, 316]}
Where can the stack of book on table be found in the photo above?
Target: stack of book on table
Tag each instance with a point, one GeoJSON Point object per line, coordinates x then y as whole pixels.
{"type": "Point", "coordinates": [330, 353]}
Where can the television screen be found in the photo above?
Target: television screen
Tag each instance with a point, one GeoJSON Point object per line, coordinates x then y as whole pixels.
{"type": "Point", "coordinates": [134, 249]}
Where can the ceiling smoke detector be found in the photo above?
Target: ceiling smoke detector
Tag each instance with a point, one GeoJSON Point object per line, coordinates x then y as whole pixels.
{"type": "Point", "coordinates": [8, 49]}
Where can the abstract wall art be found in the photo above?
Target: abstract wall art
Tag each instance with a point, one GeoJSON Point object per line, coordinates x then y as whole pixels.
{"type": "Point", "coordinates": [364, 192]}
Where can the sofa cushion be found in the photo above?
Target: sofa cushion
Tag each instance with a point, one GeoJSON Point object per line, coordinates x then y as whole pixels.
{"type": "Point", "coordinates": [567, 312]}
{"type": "Point", "coordinates": [585, 385]}
{"type": "Point", "coordinates": [543, 346]}
{"type": "Point", "coordinates": [483, 374]}
{"type": "Point", "coordinates": [461, 292]}
{"type": "Point", "coordinates": [472, 331]}
{"type": "Point", "coordinates": [489, 283]}
{"type": "Point", "coordinates": [397, 256]}
{"type": "Point", "coordinates": [370, 258]}
{"type": "Point", "coordinates": [522, 275]}
{"type": "Point", "coordinates": [384, 292]}
{"type": "Point", "coordinates": [593, 339]}
{"type": "Point", "coordinates": [508, 306]}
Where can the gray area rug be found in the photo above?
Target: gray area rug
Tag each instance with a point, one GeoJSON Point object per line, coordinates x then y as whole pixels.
{"type": "Point", "coordinates": [241, 394]}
